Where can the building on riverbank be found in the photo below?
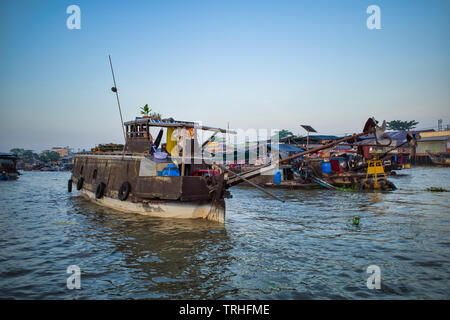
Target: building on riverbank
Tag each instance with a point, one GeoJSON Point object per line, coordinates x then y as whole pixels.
{"type": "Point", "coordinates": [63, 152]}
{"type": "Point", "coordinates": [434, 142]}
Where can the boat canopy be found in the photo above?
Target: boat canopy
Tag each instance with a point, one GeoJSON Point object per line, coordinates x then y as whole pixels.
{"type": "Point", "coordinates": [5, 155]}
{"type": "Point", "coordinates": [170, 123]}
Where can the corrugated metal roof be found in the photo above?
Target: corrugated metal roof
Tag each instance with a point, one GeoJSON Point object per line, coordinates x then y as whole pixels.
{"type": "Point", "coordinates": [443, 138]}
{"type": "Point", "coordinates": [7, 155]}
{"type": "Point", "coordinates": [398, 136]}
{"type": "Point", "coordinates": [312, 138]}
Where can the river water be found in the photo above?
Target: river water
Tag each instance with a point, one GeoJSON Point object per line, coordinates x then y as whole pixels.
{"type": "Point", "coordinates": [305, 248]}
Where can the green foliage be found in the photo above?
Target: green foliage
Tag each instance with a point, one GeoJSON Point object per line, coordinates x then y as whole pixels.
{"type": "Point", "coordinates": [284, 133]}
{"type": "Point", "coordinates": [353, 187]}
{"type": "Point", "coordinates": [355, 221]}
{"type": "Point", "coordinates": [24, 155]}
{"type": "Point", "coordinates": [29, 156]}
{"type": "Point", "coordinates": [47, 156]}
{"type": "Point", "coordinates": [436, 189]}
{"type": "Point", "coordinates": [398, 125]}
{"type": "Point", "coordinates": [155, 115]}
{"type": "Point", "coordinates": [147, 112]}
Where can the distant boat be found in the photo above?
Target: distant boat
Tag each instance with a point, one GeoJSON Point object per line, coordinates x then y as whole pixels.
{"type": "Point", "coordinates": [442, 159]}
{"type": "Point", "coordinates": [8, 163]}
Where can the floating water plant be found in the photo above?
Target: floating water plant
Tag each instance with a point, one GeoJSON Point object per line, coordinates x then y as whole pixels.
{"type": "Point", "coordinates": [436, 189]}
{"type": "Point", "coordinates": [353, 187]}
{"type": "Point", "coordinates": [355, 221]}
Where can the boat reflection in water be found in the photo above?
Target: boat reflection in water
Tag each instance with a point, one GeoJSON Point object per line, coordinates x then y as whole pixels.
{"type": "Point", "coordinates": [167, 256]}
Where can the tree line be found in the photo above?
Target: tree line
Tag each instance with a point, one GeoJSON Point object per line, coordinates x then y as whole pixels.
{"type": "Point", "coordinates": [395, 125]}
{"type": "Point", "coordinates": [29, 156]}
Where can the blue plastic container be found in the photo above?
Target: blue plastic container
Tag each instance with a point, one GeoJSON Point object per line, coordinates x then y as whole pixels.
{"type": "Point", "coordinates": [171, 170]}
{"type": "Point", "coordinates": [277, 177]}
{"type": "Point", "coordinates": [326, 167]}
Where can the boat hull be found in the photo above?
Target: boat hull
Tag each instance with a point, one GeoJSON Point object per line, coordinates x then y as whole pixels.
{"type": "Point", "coordinates": [130, 183]}
{"type": "Point", "coordinates": [210, 210]}
{"type": "Point", "coordinates": [9, 176]}
{"type": "Point", "coordinates": [441, 160]}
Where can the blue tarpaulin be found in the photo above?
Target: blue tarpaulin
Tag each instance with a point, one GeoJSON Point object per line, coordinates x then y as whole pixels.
{"type": "Point", "coordinates": [283, 147]}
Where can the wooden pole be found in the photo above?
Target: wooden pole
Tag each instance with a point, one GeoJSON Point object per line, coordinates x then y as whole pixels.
{"type": "Point", "coordinates": [183, 144]}
{"type": "Point", "coordinates": [326, 146]}
{"type": "Point", "coordinates": [307, 141]}
{"type": "Point", "coordinates": [251, 183]}
{"type": "Point", "coordinates": [118, 102]}
{"type": "Point", "coordinates": [209, 139]}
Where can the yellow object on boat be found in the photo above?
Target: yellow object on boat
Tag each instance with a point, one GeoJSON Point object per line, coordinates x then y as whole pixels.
{"type": "Point", "coordinates": [375, 168]}
{"type": "Point", "coordinates": [171, 145]}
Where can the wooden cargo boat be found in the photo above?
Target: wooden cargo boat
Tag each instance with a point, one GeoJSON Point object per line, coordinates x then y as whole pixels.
{"type": "Point", "coordinates": [8, 166]}
{"type": "Point", "coordinates": [442, 159]}
{"type": "Point", "coordinates": [162, 184]}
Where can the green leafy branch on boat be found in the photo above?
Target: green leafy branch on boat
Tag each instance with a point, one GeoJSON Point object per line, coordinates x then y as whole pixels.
{"type": "Point", "coordinates": [146, 111]}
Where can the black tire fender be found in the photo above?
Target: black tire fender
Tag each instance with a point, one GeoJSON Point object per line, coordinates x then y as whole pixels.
{"type": "Point", "coordinates": [69, 185]}
{"type": "Point", "coordinates": [361, 186]}
{"type": "Point", "coordinates": [80, 183]}
{"type": "Point", "coordinates": [391, 185]}
{"type": "Point", "coordinates": [209, 180]}
{"type": "Point", "coordinates": [124, 191]}
{"type": "Point", "coordinates": [100, 190]}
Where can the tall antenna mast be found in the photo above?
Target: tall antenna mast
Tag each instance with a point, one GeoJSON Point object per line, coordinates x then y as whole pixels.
{"type": "Point", "coordinates": [114, 89]}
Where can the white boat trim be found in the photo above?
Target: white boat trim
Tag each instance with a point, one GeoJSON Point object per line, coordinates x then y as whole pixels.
{"type": "Point", "coordinates": [166, 209]}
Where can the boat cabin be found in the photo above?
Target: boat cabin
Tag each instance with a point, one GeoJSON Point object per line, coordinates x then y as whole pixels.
{"type": "Point", "coordinates": [178, 135]}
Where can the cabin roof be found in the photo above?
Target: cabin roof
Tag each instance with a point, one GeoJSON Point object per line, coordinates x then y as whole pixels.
{"type": "Point", "coordinates": [8, 155]}
{"type": "Point", "coordinates": [284, 147]}
{"type": "Point", "coordinates": [312, 138]}
{"type": "Point", "coordinates": [398, 136]}
{"type": "Point", "coordinates": [174, 123]}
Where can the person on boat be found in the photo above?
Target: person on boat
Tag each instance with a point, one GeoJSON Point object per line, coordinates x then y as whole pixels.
{"type": "Point", "coordinates": [163, 148]}
{"type": "Point", "coordinates": [4, 175]}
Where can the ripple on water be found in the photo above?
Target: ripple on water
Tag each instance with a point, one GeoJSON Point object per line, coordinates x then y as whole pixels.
{"type": "Point", "coordinates": [305, 248]}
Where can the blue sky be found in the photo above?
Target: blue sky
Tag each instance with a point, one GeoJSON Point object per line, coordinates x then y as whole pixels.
{"type": "Point", "coordinates": [256, 64]}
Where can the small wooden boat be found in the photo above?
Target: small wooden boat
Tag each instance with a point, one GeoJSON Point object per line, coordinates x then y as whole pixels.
{"type": "Point", "coordinates": [442, 159]}
{"type": "Point", "coordinates": [164, 183]}
{"type": "Point", "coordinates": [8, 163]}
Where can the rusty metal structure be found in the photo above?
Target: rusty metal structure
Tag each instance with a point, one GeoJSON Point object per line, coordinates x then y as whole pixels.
{"type": "Point", "coordinates": [306, 172]}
